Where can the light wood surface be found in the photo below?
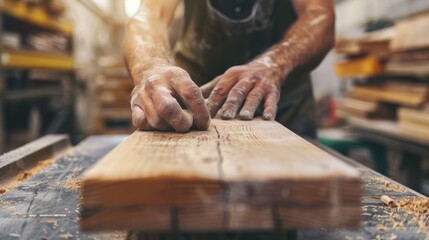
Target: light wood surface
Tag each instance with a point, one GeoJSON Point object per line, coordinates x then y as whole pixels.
{"type": "Point", "coordinates": [414, 121]}
{"type": "Point", "coordinates": [406, 94]}
{"type": "Point", "coordinates": [244, 164]}
{"type": "Point", "coordinates": [411, 33]}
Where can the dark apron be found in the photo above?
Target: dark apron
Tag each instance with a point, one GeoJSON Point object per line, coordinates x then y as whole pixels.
{"type": "Point", "coordinates": [214, 39]}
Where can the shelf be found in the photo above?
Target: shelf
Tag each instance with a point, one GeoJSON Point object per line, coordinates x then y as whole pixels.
{"type": "Point", "coordinates": [35, 15]}
{"type": "Point", "coordinates": [33, 59]}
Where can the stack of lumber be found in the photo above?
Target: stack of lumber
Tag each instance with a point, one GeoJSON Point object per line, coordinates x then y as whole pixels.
{"type": "Point", "coordinates": [113, 93]}
{"type": "Point", "coordinates": [380, 101]}
{"type": "Point", "coordinates": [354, 107]}
{"type": "Point", "coordinates": [414, 121]}
{"type": "Point", "coordinates": [410, 48]}
{"type": "Point", "coordinates": [237, 176]}
{"type": "Point", "coordinates": [364, 56]}
{"type": "Point", "coordinates": [375, 43]}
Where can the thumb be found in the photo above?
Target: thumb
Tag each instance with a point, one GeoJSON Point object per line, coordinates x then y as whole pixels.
{"type": "Point", "coordinates": [207, 88]}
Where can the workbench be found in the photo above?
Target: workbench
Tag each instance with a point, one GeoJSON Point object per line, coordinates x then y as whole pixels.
{"type": "Point", "coordinates": [386, 135]}
{"type": "Point", "coordinates": [46, 205]}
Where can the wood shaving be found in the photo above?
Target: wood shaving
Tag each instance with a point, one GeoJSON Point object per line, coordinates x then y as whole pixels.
{"type": "Point", "coordinates": [409, 213]}
{"type": "Point", "coordinates": [66, 235]}
{"type": "Point", "coordinates": [53, 222]}
{"type": "Point", "coordinates": [381, 227]}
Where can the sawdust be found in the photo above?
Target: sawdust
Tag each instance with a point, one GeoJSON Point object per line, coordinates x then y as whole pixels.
{"type": "Point", "coordinates": [383, 184]}
{"type": "Point", "coordinates": [51, 221]}
{"type": "Point", "coordinates": [409, 213]}
{"type": "Point", "coordinates": [119, 235]}
{"type": "Point", "coordinates": [24, 174]}
{"type": "Point", "coordinates": [418, 207]}
{"type": "Point", "coordinates": [72, 183]}
{"type": "Point", "coordinates": [66, 235]}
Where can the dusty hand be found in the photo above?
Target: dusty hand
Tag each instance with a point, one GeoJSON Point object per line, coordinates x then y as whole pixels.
{"type": "Point", "coordinates": [156, 102]}
{"type": "Point", "coordinates": [241, 89]}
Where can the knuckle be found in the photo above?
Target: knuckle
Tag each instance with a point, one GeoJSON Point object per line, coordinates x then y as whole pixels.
{"type": "Point", "coordinates": [191, 92]}
{"type": "Point", "coordinates": [233, 70]}
{"type": "Point", "coordinates": [173, 72]}
{"type": "Point", "coordinates": [151, 82]}
{"type": "Point", "coordinates": [238, 91]}
{"type": "Point", "coordinates": [166, 109]}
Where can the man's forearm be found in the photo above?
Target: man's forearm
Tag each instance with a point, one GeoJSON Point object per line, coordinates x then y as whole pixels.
{"type": "Point", "coordinates": [304, 45]}
{"type": "Point", "coordinates": [146, 44]}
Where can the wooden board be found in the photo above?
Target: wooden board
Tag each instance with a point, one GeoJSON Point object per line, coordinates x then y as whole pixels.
{"type": "Point", "coordinates": [364, 109]}
{"type": "Point", "coordinates": [419, 69]}
{"type": "Point", "coordinates": [414, 115]}
{"type": "Point", "coordinates": [374, 43]}
{"type": "Point", "coordinates": [411, 33]}
{"type": "Point", "coordinates": [414, 121]}
{"type": "Point", "coordinates": [406, 94]}
{"type": "Point", "coordinates": [212, 179]}
{"type": "Point", "coordinates": [361, 67]}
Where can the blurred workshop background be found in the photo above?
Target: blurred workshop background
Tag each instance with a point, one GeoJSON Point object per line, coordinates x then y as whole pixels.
{"type": "Point", "coordinates": [62, 71]}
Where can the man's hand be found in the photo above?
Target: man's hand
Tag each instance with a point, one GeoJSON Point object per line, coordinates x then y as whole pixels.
{"type": "Point", "coordinates": [241, 89]}
{"type": "Point", "coordinates": [156, 101]}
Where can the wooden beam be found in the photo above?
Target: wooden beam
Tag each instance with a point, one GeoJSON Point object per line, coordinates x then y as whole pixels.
{"type": "Point", "coordinates": [218, 180]}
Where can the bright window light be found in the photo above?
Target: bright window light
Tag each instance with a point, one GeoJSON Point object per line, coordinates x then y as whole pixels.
{"type": "Point", "coordinates": [131, 7]}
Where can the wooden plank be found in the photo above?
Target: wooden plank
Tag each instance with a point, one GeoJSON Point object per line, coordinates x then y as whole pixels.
{"type": "Point", "coordinates": [20, 164]}
{"type": "Point", "coordinates": [361, 67]}
{"type": "Point", "coordinates": [406, 94]}
{"type": "Point", "coordinates": [234, 163]}
{"type": "Point", "coordinates": [417, 130]}
{"type": "Point", "coordinates": [414, 115]}
{"type": "Point", "coordinates": [411, 34]}
{"type": "Point", "coordinates": [364, 109]}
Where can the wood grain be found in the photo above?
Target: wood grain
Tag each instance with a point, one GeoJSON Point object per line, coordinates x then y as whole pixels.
{"type": "Point", "coordinates": [234, 163]}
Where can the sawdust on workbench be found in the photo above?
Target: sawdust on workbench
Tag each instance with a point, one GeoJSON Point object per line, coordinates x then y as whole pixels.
{"type": "Point", "coordinates": [72, 183]}
{"type": "Point", "coordinates": [410, 212]}
{"type": "Point", "coordinates": [26, 173]}
{"type": "Point", "coordinates": [384, 185]}
{"type": "Point", "coordinates": [50, 221]}
{"type": "Point", "coordinates": [66, 235]}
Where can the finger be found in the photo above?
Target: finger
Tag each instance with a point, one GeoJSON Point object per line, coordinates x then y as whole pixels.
{"type": "Point", "coordinates": [139, 119]}
{"type": "Point", "coordinates": [192, 97]}
{"type": "Point", "coordinates": [236, 97]}
{"type": "Point", "coordinates": [252, 103]}
{"type": "Point", "coordinates": [219, 94]}
{"type": "Point", "coordinates": [170, 111]}
{"type": "Point", "coordinates": [207, 88]}
{"type": "Point", "coordinates": [152, 117]}
{"type": "Point", "coordinates": [270, 106]}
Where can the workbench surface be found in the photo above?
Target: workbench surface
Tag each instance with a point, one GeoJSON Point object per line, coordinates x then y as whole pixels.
{"type": "Point", "coordinates": [46, 206]}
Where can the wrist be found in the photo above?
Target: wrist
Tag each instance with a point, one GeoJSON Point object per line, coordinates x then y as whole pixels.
{"type": "Point", "coordinates": [278, 70]}
{"type": "Point", "coordinates": [139, 72]}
